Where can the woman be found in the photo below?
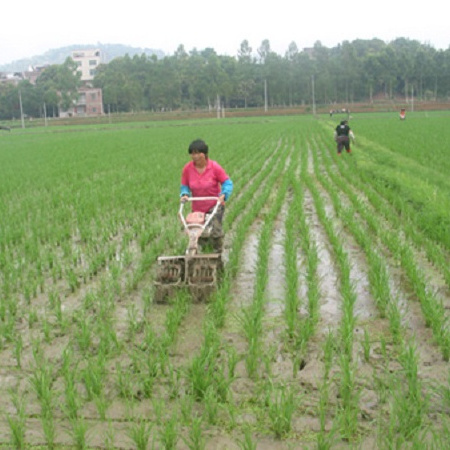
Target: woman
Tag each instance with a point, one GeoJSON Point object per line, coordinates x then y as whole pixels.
{"type": "Point", "coordinates": [203, 177]}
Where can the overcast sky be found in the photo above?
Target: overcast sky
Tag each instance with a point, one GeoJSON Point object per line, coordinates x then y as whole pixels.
{"type": "Point", "coordinates": [30, 28]}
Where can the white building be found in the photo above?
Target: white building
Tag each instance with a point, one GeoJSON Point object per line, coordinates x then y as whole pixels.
{"type": "Point", "coordinates": [87, 62]}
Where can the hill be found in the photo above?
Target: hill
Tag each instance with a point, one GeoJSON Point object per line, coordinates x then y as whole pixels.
{"type": "Point", "coordinates": [59, 55]}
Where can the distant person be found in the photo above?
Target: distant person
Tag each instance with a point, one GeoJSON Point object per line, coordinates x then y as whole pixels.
{"type": "Point", "coordinates": [403, 114]}
{"type": "Point", "coordinates": [342, 136]}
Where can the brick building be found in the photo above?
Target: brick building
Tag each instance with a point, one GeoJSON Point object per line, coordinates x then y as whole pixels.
{"type": "Point", "coordinates": [90, 100]}
{"type": "Point", "coordinates": [89, 103]}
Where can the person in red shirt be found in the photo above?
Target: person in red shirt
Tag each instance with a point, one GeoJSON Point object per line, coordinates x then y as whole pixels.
{"type": "Point", "coordinates": [203, 177]}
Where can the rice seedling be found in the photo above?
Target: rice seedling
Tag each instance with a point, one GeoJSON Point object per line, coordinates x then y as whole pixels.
{"type": "Point", "coordinates": [186, 407]}
{"type": "Point", "coordinates": [140, 432]}
{"type": "Point", "coordinates": [158, 409]}
{"type": "Point", "coordinates": [48, 426]}
{"type": "Point", "coordinates": [78, 431]}
{"type": "Point", "coordinates": [124, 382]}
{"type": "Point", "coordinates": [69, 372]}
{"type": "Point", "coordinates": [17, 423]}
{"type": "Point", "coordinates": [348, 414]}
{"type": "Point", "coordinates": [174, 381]}
{"type": "Point", "coordinates": [247, 442]}
{"type": "Point", "coordinates": [211, 406]}
{"type": "Point", "coordinates": [325, 439]}
{"type": "Point", "coordinates": [83, 334]}
{"type": "Point", "coordinates": [281, 405]}
{"type": "Point", "coordinates": [93, 377]}
{"type": "Point", "coordinates": [195, 439]}
{"type": "Point", "coordinates": [232, 360]}
{"type": "Point", "coordinates": [42, 381]}
{"type": "Point", "coordinates": [328, 350]}
{"type": "Point", "coordinates": [168, 433]}
{"type": "Point", "coordinates": [134, 324]}
{"type": "Point", "coordinates": [409, 405]}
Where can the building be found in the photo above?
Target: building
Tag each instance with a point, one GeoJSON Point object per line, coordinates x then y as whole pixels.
{"type": "Point", "coordinates": [89, 103]}
{"type": "Point", "coordinates": [87, 62]}
{"type": "Point", "coordinates": [90, 100]}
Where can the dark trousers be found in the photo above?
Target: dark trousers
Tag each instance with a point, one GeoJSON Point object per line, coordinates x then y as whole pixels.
{"type": "Point", "coordinates": [343, 141]}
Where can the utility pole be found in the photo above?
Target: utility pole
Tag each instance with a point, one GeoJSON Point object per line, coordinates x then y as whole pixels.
{"type": "Point", "coordinates": [21, 110]}
{"type": "Point", "coordinates": [265, 95]}
{"type": "Point", "coordinates": [313, 95]}
{"type": "Point", "coordinates": [45, 114]}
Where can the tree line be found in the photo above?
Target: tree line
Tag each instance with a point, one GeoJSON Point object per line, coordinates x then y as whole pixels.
{"type": "Point", "coordinates": [357, 71]}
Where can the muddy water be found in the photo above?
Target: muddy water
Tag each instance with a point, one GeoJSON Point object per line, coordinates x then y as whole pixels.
{"type": "Point", "coordinates": [246, 406]}
{"type": "Point", "coordinates": [330, 304]}
{"type": "Point", "coordinates": [243, 287]}
{"type": "Point", "coordinates": [276, 288]}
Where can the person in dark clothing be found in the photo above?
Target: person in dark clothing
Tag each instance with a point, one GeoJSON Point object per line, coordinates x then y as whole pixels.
{"type": "Point", "coordinates": [342, 136]}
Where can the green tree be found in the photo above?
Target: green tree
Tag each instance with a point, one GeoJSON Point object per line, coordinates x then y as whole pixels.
{"type": "Point", "coordinates": [58, 84]}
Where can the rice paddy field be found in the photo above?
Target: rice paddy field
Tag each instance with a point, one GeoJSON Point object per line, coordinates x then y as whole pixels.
{"type": "Point", "coordinates": [330, 327]}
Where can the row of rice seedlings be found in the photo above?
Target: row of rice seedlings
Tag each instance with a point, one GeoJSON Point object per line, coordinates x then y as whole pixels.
{"type": "Point", "coordinates": [435, 253]}
{"type": "Point", "coordinates": [252, 317]}
{"type": "Point", "coordinates": [390, 207]}
{"type": "Point", "coordinates": [310, 251]}
{"type": "Point", "coordinates": [432, 307]}
{"type": "Point", "coordinates": [73, 223]}
{"type": "Point", "coordinates": [209, 376]}
{"type": "Point", "coordinates": [324, 439]}
{"type": "Point", "coordinates": [41, 380]}
{"type": "Point", "coordinates": [290, 250]}
{"type": "Point", "coordinates": [74, 284]}
{"type": "Point", "coordinates": [203, 378]}
{"type": "Point", "coordinates": [246, 207]}
{"type": "Point", "coordinates": [376, 194]}
{"type": "Point", "coordinates": [408, 406]}
{"type": "Point", "coordinates": [259, 155]}
{"type": "Point", "coordinates": [86, 338]}
{"type": "Point", "coordinates": [93, 375]}
{"type": "Point", "coordinates": [414, 175]}
{"type": "Point", "coordinates": [239, 211]}
{"type": "Point", "coordinates": [415, 403]}
{"type": "Point", "coordinates": [346, 285]}
{"type": "Point", "coordinates": [378, 272]}
{"type": "Point", "coordinates": [240, 208]}
{"type": "Point", "coordinates": [348, 412]}
{"type": "Point", "coordinates": [92, 301]}
{"type": "Point", "coordinates": [150, 359]}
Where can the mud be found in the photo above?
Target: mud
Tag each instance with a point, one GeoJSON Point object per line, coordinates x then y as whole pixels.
{"type": "Point", "coordinates": [282, 362]}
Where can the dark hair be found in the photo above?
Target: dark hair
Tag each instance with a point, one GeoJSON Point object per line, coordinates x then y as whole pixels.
{"type": "Point", "coordinates": [199, 146]}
